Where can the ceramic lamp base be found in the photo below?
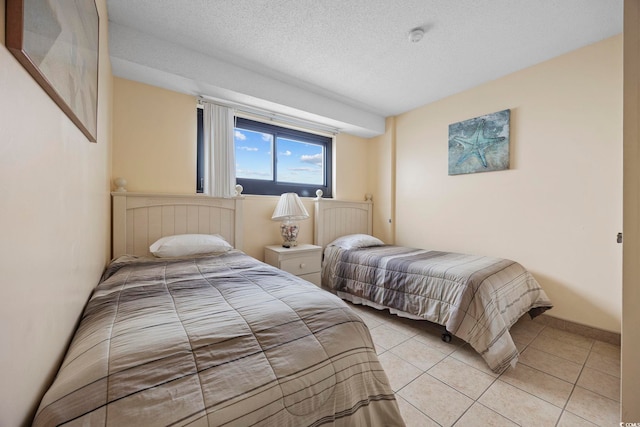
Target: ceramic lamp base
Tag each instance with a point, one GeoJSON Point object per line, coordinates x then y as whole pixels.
{"type": "Point", "coordinates": [289, 232]}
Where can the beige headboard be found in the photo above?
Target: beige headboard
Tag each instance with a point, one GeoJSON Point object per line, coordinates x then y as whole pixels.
{"type": "Point", "coordinates": [335, 218]}
{"type": "Point", "coordinates": [141, 219]}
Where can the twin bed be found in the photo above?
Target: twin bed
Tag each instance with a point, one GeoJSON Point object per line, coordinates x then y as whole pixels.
{"type": "Point", "coordinates": [476, 298]}
{"type": "Point", "coordinates": [216, 337]}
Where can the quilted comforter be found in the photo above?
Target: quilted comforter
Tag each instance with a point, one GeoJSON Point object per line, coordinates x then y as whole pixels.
{"type": "Point", "coordinates": [217, 341]}
{"type": "Point", "coordinates": [476, 298]}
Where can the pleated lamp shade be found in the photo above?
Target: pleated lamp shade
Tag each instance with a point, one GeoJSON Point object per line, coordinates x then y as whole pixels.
{"type": "Point", "coordinates": [290, 208]}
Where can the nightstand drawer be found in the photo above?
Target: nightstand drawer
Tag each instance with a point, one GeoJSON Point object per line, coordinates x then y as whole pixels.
{"type": "Point", "coordinates": [303, 260]}
{"type": "Point", "coordinates": [301, 265]}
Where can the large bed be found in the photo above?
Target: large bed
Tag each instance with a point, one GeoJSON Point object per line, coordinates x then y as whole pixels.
{"type": "Point", "coordinates": [476, 298]}
{"type": "Point", "coordinates": [211, 339]}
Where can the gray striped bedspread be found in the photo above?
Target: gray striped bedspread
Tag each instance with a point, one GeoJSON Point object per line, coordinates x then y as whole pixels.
{"type": "Point", "coordinates": [217, 341]}
{"type": "Point", "coordinates": [476, 298]}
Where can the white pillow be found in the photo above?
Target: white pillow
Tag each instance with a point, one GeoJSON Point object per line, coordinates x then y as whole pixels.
{"type": "Point", "coordinates": [353, 241]}
{"type": "Point", "coordinates": [189, 244]}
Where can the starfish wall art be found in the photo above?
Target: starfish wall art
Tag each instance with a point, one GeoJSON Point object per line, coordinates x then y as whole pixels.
{"type": "Point", "coordinates": [480, 144]}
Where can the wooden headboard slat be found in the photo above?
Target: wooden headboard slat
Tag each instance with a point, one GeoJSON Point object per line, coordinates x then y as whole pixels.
{"type": "Point", "coordinates": [335, 218]}
{"type": "Point", "coordinates": [140, 219]}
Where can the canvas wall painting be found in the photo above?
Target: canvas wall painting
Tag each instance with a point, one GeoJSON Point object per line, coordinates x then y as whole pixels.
{"type": "Point", "coordinates": [57, 42]}
{"type": "Point", "coordinates": [480, 144]}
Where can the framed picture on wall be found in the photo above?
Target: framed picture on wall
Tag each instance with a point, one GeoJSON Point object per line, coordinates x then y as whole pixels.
{"type": "Point", "coordinates": [57, 42]}
{"type": "Point", "coordinates": [480, 144]}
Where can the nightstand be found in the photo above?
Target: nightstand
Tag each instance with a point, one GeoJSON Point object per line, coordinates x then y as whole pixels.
{"type": "Point", "coordinates": [302, 260]}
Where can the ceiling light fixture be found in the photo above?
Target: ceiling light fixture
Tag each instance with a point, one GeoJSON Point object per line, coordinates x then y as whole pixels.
{"type": "Point", "coordinates": [416, 35]}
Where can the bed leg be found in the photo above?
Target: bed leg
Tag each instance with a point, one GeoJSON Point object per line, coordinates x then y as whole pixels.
{"type": "Point", "coordinates": [446, 336]}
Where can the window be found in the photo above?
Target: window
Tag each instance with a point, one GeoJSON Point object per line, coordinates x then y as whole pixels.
{"type": "Point", "coordinates": [271, 160]}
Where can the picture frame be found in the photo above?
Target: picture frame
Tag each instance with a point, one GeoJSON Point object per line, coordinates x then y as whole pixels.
{"type": "Point", "coordinates": [480, 144]}
{"type": "Point", "coordinates": [57, 42]}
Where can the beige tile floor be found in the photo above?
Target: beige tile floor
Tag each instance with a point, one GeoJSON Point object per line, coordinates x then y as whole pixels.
{"type": "Point", "coordinates": [562, 379]}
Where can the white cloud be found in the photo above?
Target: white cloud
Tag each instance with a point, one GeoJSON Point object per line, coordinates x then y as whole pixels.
{"type": "Point", "coordinates": [266, 137]}
{"type": "Point", "coordinates": [244, 148]}
{"type": "Point", "coordinates": [286, 153]}
{"type": "Point", "coordinates": [250, 173]}
{"type": "Point", "coordinates": [239, 135]}
{"type": "Point", "coordinates": [316, 159]}
{"type": "Point", "coordinates": [303, 169]}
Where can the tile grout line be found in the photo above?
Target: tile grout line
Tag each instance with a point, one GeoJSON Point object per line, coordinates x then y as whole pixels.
{"type": "Point", "coordinates": [437, 379]}
{"type": "Point", "coordinates": [573, 388]}
{"type": "Point", "coordinates": [573, 384]}
{"type": "Point", "coordinates": [387, 323]}
{"type": "Point", "coordinates": [479, 403]}
{"type": "Point", "coordinates": [496, 379]}
{"type": "Point", "coordinates": [417, 409]}
{"type": "Point", "coordinates": [453, 388]}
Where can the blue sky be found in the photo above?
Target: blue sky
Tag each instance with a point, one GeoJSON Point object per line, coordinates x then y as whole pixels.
{"type": "Point", "coordinates": [297, 161]}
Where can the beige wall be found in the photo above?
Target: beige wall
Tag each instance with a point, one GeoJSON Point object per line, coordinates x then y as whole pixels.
{"type": "Point", "coordinates": [154, 149]}
{"type": "Point", "coordinates": [631, 272]}
{"type": "Point", "coordinates": [55, 227]}
{"type": "Point", "coordinates": [350, 167]}
{"type": "Point", "coordinates": [260, 231]}
{"type": "Point", "coordinates": [559, 207]}
{"type": "Point", "coordinates": [154, 134]}
{"type": "Point", "coordinates": [381, 178]}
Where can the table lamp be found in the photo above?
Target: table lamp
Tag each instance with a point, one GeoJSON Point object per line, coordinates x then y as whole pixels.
{"type": "Point", "coordinates": [289, 210]}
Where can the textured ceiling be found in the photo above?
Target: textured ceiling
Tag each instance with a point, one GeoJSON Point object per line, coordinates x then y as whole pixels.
{"type": "Point", "coordinates": [346, 63]}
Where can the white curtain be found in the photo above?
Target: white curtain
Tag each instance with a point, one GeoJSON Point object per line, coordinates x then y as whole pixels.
{"type": "Point", "coordinates": [219, 151]}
